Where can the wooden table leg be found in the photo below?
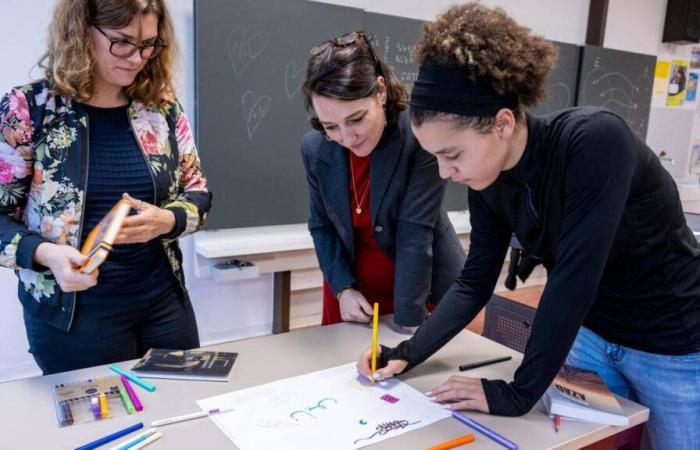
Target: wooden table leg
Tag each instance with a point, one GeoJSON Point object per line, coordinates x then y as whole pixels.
{"type": "Point", "coordinates": [281, 293]}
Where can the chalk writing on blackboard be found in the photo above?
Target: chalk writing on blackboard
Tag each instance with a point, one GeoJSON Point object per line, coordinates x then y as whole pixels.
{"type": "Point", "coordinates": [254, 110]}
{"type": "Point", "coordinates": [293, 79]}
{"type": "Point", "coordinates": [243, 49]}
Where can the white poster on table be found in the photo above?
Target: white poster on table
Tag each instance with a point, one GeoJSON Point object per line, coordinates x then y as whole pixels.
{"type": "Point", "coordinates": [333, 408]}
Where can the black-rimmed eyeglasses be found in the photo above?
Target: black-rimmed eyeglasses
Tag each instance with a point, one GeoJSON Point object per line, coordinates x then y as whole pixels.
{"type": "Point", "coordinates": [122, 48]}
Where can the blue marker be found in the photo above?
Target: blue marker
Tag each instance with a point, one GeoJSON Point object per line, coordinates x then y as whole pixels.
{"type": "Point", "coordinates": [485, 431]}
{"type": "Point", "coordinates": [111, 437]}
{"type": "Point", "coordinates": [133, 378]}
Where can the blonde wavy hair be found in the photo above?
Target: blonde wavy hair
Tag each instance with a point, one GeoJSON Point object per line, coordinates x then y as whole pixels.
{"type": "Point", "coordinates": [69, 62]}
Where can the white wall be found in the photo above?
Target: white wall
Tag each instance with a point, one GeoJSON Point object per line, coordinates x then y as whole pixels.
{"type": "Point", "coordinates": [238, 309]}
{"type": "Point", "coordinates": [559, 20]}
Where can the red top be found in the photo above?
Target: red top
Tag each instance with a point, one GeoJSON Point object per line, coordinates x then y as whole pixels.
{"type": "Point", "coordinates": [373, 269]}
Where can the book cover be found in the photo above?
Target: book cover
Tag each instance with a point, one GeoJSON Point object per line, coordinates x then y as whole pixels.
{"type": "Point", "coordinates": [186, 364]}
{"type": "Point", "coordinates": [99, 242]}
{"type": "Point", "coordinates": [582, 394]}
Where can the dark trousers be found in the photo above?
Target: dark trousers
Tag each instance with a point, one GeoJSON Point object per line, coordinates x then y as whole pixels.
{"type": "Point", "coordinates": [108, 330]}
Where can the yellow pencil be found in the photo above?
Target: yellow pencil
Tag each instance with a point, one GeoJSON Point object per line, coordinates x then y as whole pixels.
{"type": "Point", "coordinates": [375, 331]}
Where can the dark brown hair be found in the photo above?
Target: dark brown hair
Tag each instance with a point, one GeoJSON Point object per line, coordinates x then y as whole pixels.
{"type": "Point", "coordinates": [69, 62]}
{"type": "Point", "coordinates": [350, 73]}
{"type": "Point", "coordinates": [493, 49]}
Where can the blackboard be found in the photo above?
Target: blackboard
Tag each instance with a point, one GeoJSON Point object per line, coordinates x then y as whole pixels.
{"type": "Point", "coordinates": [620, 81]}
{"type": "Point", "coordinates": [250, 62]}
{"type": "Point", "coordinates": [562, 81]}
{"type": "Point", "coordinates": [394, 38]}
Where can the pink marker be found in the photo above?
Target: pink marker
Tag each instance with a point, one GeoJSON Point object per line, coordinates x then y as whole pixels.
{"type": "Point", "coordinates": [389, 398]}
{"type": "Point", "coordinates": [132, 395]}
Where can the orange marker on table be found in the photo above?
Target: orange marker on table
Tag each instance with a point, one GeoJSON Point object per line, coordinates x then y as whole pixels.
{"type": "Point", "coordinates": [375, 332]}
{"type": "Point", "coordinates": [557, 422]}
{"type": "Point", "coordinates": [453, 443]}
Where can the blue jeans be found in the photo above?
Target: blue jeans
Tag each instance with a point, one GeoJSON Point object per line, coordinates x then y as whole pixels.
{"type": "Point", "coordinates": [669, 385]}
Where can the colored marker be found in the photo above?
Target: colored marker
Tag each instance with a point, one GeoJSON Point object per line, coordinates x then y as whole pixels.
{"type": "Point", "coordinates": [127, 401]}
{"type": "Point", "coordinates": [133, 378]}
{"type": "Point", "coordinates": [149, 440]}
{"type": "Point", "coordinates": [66, 415]}
{"type": "Point", "coordinates": [489, 433]}
{"type": "Point", "coordinates": [375, 332]}
{"type": "Point", "coordinates": [104, 411]}
{"type": "Point", "coordinates": [132, 394]}
{"type": "Point", "coordinates": [134, 440]}
{"type": "Point", "coordinates": [111, 437]}
{"type": "Point", "coordinates": [95, 407]}
{"type": "Point", "coordinates": [557, 422]}
{"type": "Point", "coordinates": [195, 415]}
{"type": "Point", "coordinates": [453, 443]}
{"type": "Point", "coordinates": [464, 367]}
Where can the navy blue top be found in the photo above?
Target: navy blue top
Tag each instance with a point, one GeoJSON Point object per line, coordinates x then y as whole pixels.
{"type": "Point", "coordinates": [593, 201]}
{"type": "Point", "coordinates": [117, 165]}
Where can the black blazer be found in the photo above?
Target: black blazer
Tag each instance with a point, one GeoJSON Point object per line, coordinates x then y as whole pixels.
{"type": "Point", "coordinates": [410, 224]}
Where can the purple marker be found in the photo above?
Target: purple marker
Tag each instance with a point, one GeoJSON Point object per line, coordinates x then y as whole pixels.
{"type": "Point", "coordinates": [485, 431]}
{"type": "Point", "coordinates": [95, 407]}
{"type": "Point", "coordinates": [132, 395]}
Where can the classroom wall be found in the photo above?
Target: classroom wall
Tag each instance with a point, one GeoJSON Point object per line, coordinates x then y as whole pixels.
{"type": "Point", "coordinates": [238, 309]}
{"type": "Point", "coordinates": [672, 130]}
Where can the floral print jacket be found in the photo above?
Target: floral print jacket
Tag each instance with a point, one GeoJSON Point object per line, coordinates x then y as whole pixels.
{"type": "Point", "coordinates": [44, 154]}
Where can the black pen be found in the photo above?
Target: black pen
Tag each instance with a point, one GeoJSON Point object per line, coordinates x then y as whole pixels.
{"type": "Point", "coordinates": [464, 367]}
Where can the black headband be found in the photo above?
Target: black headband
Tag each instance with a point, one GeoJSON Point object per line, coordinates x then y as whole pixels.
{"type": "Point", "coordinates": [450, 90]}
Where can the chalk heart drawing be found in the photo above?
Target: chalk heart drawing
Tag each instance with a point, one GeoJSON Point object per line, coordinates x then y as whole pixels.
{"type": "Point", "coordinates": [292, 79]}
{"type": "Point", "coordinates": [254, 111]}
{"type": "Point", "coordinates": [243, 49]}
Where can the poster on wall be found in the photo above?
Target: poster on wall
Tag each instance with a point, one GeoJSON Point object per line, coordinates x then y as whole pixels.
{"type": "Point", "coordinates": [695, 58]}
{"type": "Point", "coordinates": [661, 76]}
{"type": "Point", "coordinates": [677, 84]}
{"type": "Point", "coordinates": [691, 91]}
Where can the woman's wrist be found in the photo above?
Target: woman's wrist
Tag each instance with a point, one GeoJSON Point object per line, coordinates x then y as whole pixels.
{"type": "Point", "coordinates": [167, 222]}
{"type": "Point", "coordinates": [42, 254]}
{"type": "Point", "coordinates": [340, 292]}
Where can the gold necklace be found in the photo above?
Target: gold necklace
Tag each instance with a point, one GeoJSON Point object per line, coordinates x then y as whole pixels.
{"type": "Point", "coordinates": [358, 208]}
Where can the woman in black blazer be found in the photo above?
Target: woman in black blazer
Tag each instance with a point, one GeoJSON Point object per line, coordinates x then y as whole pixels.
{"type": "Point", "coordinates": [376, 216]}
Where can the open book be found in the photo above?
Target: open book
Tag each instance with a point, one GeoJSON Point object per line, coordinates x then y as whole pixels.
{"type": "Point", "coordinates": [582, 395]}
{"type": "Point", "coordinates": [186, 364]}
{"type": "Point", "coordinates": [99, 242]}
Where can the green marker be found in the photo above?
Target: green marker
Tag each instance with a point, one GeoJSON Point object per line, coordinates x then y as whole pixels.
{"type": "Point", "coordinates": [127, 401]}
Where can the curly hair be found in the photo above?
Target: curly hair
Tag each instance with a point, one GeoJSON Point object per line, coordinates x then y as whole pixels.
{"type": "Point", "coordinates": [69, 63]}
{"type": "Point", "coordinates": [493, 49]}
{"type": "Point", "coordinates": [350, 73]}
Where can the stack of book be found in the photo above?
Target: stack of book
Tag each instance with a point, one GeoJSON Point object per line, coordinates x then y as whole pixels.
{"type": "Point", "coordinates": [582, 395]}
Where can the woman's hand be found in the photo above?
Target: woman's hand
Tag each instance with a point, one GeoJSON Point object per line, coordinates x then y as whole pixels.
{"type": "Point", "coordinates": [64, 262]}
{"type": "Point", "coordinates": [354, 307]}
{"type": "Point", "coordinates": [393, 367]}
{"type": "Point", "coordinates": [461, 393]}
{"type": "Point", "coordinates": [149, 222]}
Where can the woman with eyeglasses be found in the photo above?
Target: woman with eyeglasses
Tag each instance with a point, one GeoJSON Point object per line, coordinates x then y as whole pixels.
{"type": "Point", "coordinates": [582, 192]}
{"type": "Point", "coordinates": [376, 216]}
{"type": "Point", "coordinates": [104, 124]}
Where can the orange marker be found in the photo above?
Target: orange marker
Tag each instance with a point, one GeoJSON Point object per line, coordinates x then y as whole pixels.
{"type": "Point", "coordinates": [453, 443]}
{"type": "Point", "coordinates": [557, 422]}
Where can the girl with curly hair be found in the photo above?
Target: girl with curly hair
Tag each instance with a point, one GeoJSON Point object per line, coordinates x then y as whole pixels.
{"type": "Point", "coordinates": [102, 125]}
{"type": "Point", "coordinates": [581, 192]}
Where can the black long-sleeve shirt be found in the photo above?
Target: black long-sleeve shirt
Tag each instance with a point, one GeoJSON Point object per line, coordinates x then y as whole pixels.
{"type": "Point", "coordinates": [593, 201]}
